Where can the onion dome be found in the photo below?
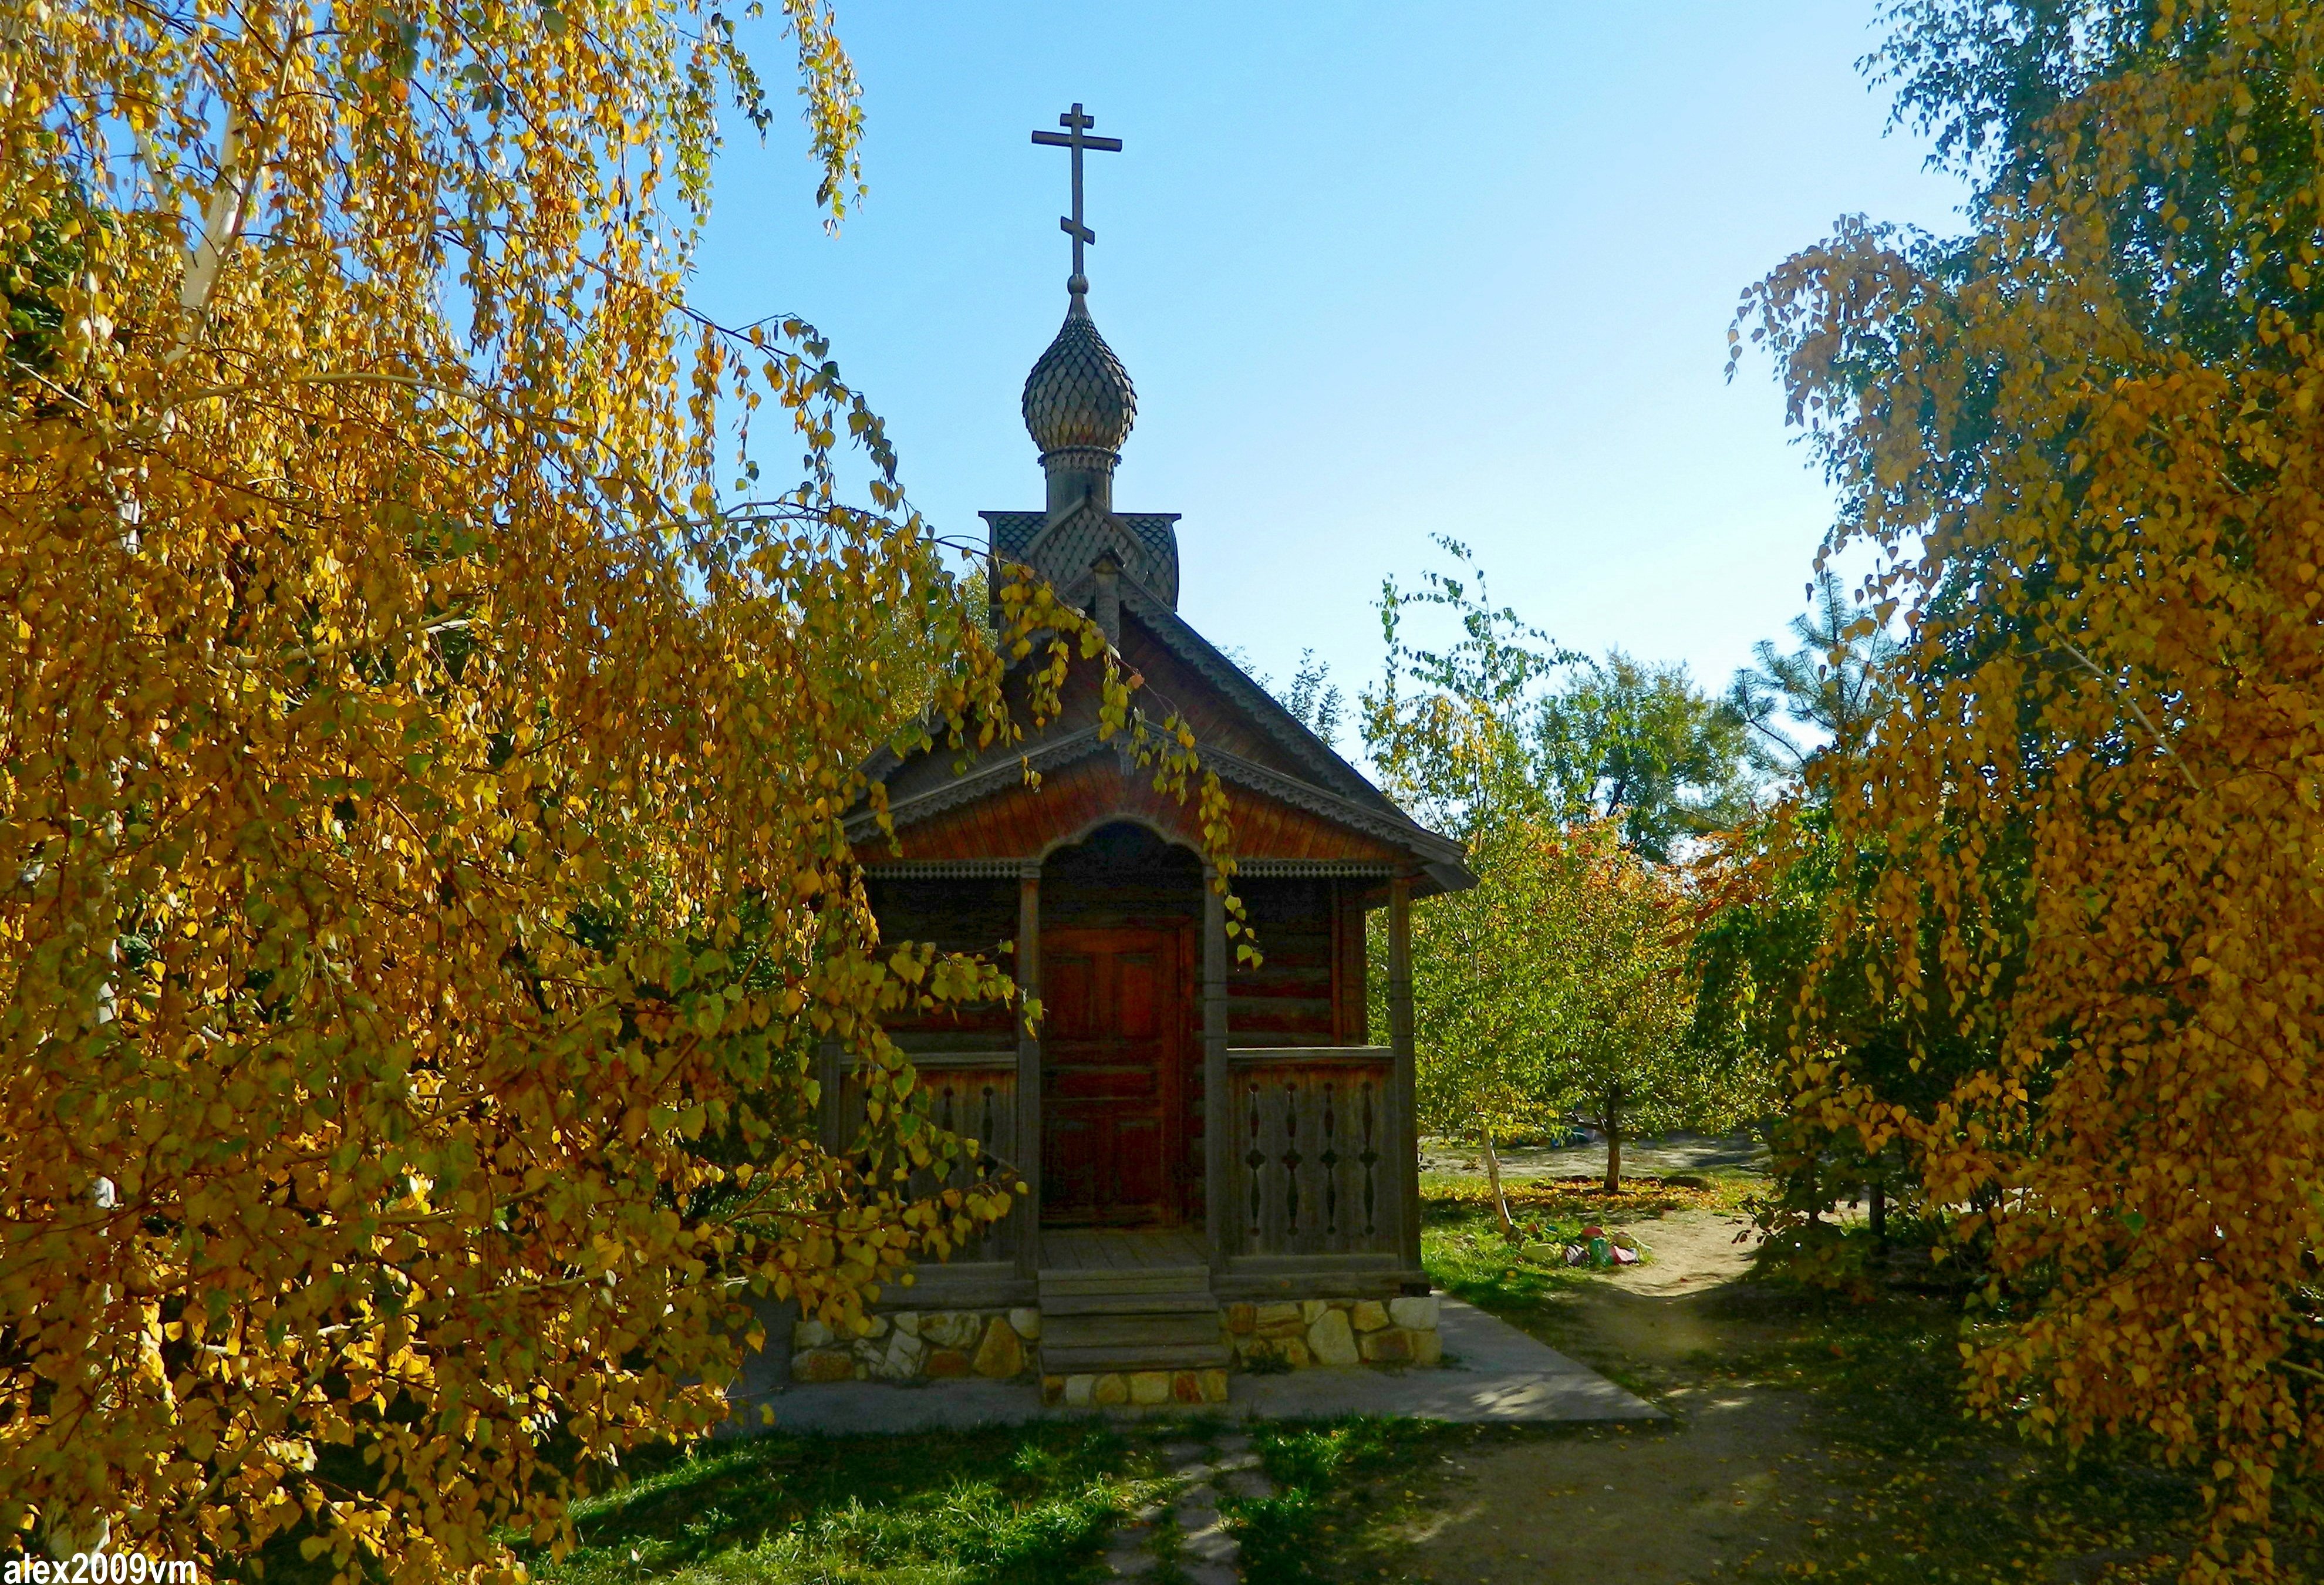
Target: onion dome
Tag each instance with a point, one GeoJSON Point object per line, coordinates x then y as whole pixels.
{"type": "Point", "coordinates": [1079, 396]}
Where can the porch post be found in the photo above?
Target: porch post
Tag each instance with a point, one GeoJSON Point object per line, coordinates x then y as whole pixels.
{"type": "Point", "coordinates": [831, 1111]}
{"type": "Point", "coordinates": [1217, 1214]}
{"type": "Point", "coordinates": [1028, 1072]}
{"type": "Point", "coordinates": [1407, 1109]}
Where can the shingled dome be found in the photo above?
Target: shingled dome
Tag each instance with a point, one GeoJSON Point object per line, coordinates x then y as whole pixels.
{"type": "Point", "coordinates": [1079, 394]}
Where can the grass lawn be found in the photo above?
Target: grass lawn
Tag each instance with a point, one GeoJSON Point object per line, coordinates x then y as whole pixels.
{"type": "Point", "coordinates": [1031, 1504]}
{"type": "Point", "coordinates": [1810, 1436]}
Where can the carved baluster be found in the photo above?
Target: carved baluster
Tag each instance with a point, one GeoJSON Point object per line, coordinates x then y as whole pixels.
{"type": "Point", "coordinates": [1290, 1163]}
{"type": "Point", "coordinates": [1255, 1159]}
{"type": "Point", "coordinates": [1329, 1158]}
{"type": "Point", "coordinates": [1369, 1158]}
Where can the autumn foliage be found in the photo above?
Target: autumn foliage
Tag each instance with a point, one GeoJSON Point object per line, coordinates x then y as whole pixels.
{"type": "Point", "coordinates": [423, 753]}
{"type": "Point", "coordinates": [2082, 854]}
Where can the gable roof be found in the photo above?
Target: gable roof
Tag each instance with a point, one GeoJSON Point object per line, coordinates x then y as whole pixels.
{"type": "Point", "coordinates": [1305, 774]}
{"type": "Point", "coordinates": [1265, 710]}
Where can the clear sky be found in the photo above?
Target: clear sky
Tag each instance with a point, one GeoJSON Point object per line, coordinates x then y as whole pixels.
{"type": "Point", "coordinates": [1379, 272]}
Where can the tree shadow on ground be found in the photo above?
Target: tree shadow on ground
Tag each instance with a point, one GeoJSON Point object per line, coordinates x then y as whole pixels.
{"type": "Point", "coordinates": [1028, 1503]}
{"type": "Point", "coordinates": [1811, 1432]}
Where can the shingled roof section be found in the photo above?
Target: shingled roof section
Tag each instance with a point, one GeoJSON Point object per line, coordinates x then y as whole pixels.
{"type": "Point", "coordinates": [1013, 533]}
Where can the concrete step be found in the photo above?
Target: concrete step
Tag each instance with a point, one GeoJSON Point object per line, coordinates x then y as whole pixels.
{"type": "Point", "coordinates": [1057, 1360]}
{"type": "Point", "coordinates": [1193, 1302]}
{"type": "Point", "coordinates": [1092, 1331]}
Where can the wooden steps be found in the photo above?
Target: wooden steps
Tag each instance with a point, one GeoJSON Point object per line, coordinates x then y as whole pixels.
{"type": "Point", "coordinates": [1118, 1320]}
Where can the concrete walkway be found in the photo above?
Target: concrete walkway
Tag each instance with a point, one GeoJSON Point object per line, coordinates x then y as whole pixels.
{"type": "Point", "coordinates": [1501, 1376]}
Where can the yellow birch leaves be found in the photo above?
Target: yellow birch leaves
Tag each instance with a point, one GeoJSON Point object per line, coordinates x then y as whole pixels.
{"type": "Point", "coordinates": [421, 783]}
{"type": "Point", "coordinates": [2090, 430]}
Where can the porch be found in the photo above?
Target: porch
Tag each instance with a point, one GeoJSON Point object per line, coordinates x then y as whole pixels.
{"type": "Point", "coordinates": [1317, 1191]}
{"type": "Point", "coordinates": [1174, 1109]}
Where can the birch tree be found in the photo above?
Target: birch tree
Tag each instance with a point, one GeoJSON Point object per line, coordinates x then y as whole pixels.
{"type": "Point", "coordinates": [2088, 433]}
{"type": "Point", "coordinates": [424, 748]}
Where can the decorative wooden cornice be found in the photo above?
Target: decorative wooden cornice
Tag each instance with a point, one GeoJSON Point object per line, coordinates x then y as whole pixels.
{"type": "Point", "coordinates": [1388, 826]}
{"type": "Point", "coordinates": [1393, 828]}
{"type": "Point", "coordinates": [978, 784]}
{"type": "Point", "coordinates": [1314, 870]}
{"type": "Point", "coordinates": [951, 869]}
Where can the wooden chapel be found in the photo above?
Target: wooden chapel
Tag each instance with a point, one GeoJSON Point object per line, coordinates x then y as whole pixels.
{"type": "Point", "coordinates": [1192, 1132]}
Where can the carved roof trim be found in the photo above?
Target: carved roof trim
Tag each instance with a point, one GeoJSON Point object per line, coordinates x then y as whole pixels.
{"type": "Point", "coordinates": [1396, 827]}
{"type": "Point", "coordinates": [978, 784]}
{"type": "Point", "coordinates": [1315, 869]}
{"type": "Point", "coordinates": [950, 869]}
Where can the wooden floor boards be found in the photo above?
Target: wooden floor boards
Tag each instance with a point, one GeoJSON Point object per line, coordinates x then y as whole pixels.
{"type": "Point", "coordinates": [1125, 1249]}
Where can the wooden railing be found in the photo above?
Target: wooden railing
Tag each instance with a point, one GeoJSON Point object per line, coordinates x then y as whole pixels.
{"type": "Point", "coordinates": [1313, 1153]}
{"type": "Point", "coordinates": [972, 1094]}
{"type": "Point", "coordinates": [1313, 1162]}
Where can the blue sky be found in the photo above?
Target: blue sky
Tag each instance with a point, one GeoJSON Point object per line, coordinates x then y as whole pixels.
{"type": "Point", "coordinates": [1379, 272]}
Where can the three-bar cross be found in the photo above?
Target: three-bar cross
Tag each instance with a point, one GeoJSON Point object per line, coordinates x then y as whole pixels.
{"type": "Point", "coordinates": [1075, 137]}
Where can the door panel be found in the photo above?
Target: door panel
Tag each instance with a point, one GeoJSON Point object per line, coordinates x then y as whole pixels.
{"type": "Point", "coordinates": [1112, 1039]}
{"type": "Point", "coordinates": [1138, 994]}
{"type": "Point", "coordinates": [1141, 1177]}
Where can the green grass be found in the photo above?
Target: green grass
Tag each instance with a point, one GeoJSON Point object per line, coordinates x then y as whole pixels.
{"type": "Point", "coordinates": [1347, 1488]}
{"type": "Point", "coordinates": [1023, 1504]}
{"type": "Point", "coordinates": [1320, 1470]}
{"type": "Point", "coordinates": [1463, 1250]}
{"type": "Point", "coordinates": [1576, 1201]}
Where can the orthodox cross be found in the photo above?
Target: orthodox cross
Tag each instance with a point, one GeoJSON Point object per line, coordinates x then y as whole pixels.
{"type": "Point", "coordinates": [1075, 137]}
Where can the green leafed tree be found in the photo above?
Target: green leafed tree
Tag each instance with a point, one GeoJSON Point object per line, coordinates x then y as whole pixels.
{"type": "Point", "coordinates": [1771, 887]}
{"type": "Point", "coordinates": [1311, 695]}
{"type": "Point", "coordinates": [1821, 697]}
{"type": "Point", "coordinates": [1622, 1038]}
{"type": "Point", "coordinates": [1643, 744]}
{"type": "Point", "coordinates": [1558, 984]}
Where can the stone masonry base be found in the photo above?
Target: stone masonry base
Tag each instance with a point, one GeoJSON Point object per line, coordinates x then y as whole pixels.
{"type": "Point", "coordinates": [1138, 1389]}
{"type": "Point", "coordinates": [1301, 1333]}
{"type": "Point", "coordinates": [919, 1345]}
{"type": "Point", "coordinates": [1001, 1345]}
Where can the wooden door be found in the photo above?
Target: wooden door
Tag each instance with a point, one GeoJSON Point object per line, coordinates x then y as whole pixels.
{"type": "Point", "coordinates": [1113, 1042]}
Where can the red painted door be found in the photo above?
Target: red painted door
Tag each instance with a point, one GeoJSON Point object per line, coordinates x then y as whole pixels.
{"type": "Point", "coordinates": [1112, 1035]}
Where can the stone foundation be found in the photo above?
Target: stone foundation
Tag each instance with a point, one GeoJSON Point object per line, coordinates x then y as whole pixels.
{"type": "Point", "coordinates": [1301, 1332]}
{"type": "Point", "coordinates": [1003, 1345]}
{"type": "Point", "coordinates": [1136, 1389]}
{"type": "Point", "coordinates": [920, 1345]}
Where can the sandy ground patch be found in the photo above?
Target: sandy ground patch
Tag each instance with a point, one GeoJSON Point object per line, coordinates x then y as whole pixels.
{"type": "Point", "coordinates": [1689, 1252]}
{"type": "Point", "coordinates": [1645, 1507]}
{"type": "Point", "coordinates": [1735, 1475]}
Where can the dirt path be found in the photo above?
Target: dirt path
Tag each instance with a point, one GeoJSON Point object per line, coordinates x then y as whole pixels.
{"type": "Point", "coordinates": [1678, 1153]}
{"type": "Point", "coordinates": [1735, 1475]}
{"type": "Point", "coordinates": [1812, 1433]}
{"type": "Point", "coordinates": [1654, 1507]}
{"type": "Point", "coordinates": [1693, 1252]}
